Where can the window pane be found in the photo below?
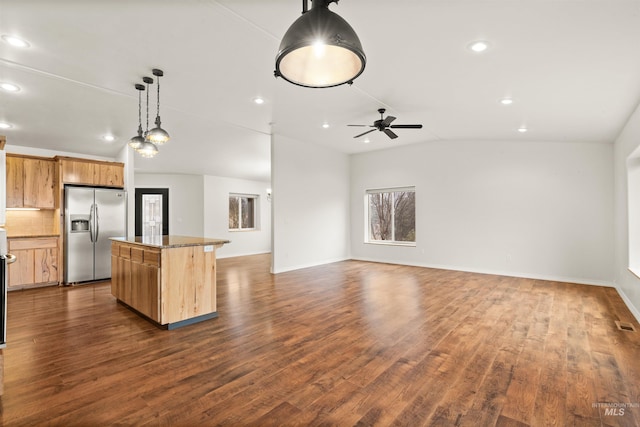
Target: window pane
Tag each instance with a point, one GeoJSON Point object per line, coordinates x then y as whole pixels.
{"type": "Point", "coordinates": [405, 216]}
{"type": "Point", "coordinates": [234, 212]}
{"type": "Point", "coordinates": [248, 212]}
{"type": "Point", "coordinates": [380, 216]}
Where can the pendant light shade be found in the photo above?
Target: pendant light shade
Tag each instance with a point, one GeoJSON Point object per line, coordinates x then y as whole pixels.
{"type": "Point", "coordinates": [137, 141]}
{"type": "Point", "coordinates": [320, 49]}
{"type": "Point", "coordinates": [147, 149]}
{"type": "Point", "coordinates": [157, 135]}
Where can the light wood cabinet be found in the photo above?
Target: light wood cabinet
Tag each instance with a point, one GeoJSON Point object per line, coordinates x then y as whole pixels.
{"type": "Point", "coordinates": [36, 262]}
{"type": "Point", "coordinates": [135, 278]}
{"type": "Point", "coordinates": [30, 182]}
{"type": "Point", "coordinates": [109, 175]}
{"type": "Point", "coordinates": [90, 172]}
{"type": "Point", "coordinates": [172, 283]}
{"type": "Point", "coordinates": [15, 182]}
{"type": "Point", "coordinates": [39, 183]}
{"type": "Point", "coordinates": [77, 172]}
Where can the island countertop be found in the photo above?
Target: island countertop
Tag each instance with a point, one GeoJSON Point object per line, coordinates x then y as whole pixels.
{"type": "Point", "coordinates": [171, 241]}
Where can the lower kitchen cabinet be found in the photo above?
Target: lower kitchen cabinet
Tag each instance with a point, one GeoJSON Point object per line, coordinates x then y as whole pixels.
{"type": "Point", "coordinates": [36, 262]}
{"type": "Point", "coordinates": [135, 278]}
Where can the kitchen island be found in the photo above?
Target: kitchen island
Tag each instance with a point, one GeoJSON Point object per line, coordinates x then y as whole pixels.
{"type": "Point", "coordinates": [170, 280]}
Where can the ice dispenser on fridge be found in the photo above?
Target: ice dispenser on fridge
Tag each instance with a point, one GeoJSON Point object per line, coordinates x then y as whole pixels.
{"type": "Point", "coordinates": [79, 223]}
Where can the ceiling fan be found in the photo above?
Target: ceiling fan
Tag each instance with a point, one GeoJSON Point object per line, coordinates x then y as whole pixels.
{"type": "Point", "coordinates": [384, 125]}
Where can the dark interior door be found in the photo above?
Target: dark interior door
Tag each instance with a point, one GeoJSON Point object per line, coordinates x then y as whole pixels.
{"type": "Point", "coordinates": [164, 192]}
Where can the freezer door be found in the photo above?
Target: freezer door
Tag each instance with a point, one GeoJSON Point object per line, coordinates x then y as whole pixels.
{"type": "Point", "coordinates": [111, 221]}
{"type": "Point", "coordinates": [78, 246]}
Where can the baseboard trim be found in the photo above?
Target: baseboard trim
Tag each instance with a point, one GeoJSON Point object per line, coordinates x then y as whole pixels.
{"type": "Point", "coordinates": [301, 266]}
{"type": "Point", "coordinates": [634, 311]}
{"type": "Point", "coordinates": [220, 256]}
{"type": "Point", "coordinates": [549, 278]}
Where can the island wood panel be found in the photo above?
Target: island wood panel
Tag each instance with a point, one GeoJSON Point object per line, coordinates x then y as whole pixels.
{"type": "Point", "coordinates": [145, 281]}
{"type": "Point", "coordinates": [121, 271]}
{"type": "Point", "coordinates": [188, 283]}
{"type": "Point", "coordinates": [136, 278]}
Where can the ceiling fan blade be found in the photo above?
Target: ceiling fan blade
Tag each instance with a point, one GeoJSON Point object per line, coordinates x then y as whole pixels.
{"type": "Point", "coordinates": [388, 120]}
{"type": "Point", "coordinates": [369, 131]}
{"type": "Point", "coordinates": [390, 134]}
{"type": "Point", "coordinates": [406, 126]}
{"type": "Point", "coordinates": [364, 126]}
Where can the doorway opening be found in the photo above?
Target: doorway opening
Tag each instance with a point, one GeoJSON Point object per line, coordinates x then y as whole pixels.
{"type": "Point", "coordinates": [152, 211]}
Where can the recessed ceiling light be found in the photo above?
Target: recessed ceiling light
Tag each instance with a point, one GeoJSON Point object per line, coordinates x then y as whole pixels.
{"type": "Point", "coordinates": [522, 129]}
{"type": "Point", "coordinates": [325, 125]}
{"type": "Point", "coordinates": [506, 101]}
{"type": "Point", "coordinates": [9, 87]}
{"type": "Point", "coordinates": [478, 46]}
{"type": "Point", "coordinates": [109, 138]}
{"type": "Point", "coordinates": [15, 41]}
{"type": "Point", "coordinates": [366, 140]}
{"type": "Point", "coordinates": [258, 100]}
{"type": "Point", "coordinates": [4, 125]}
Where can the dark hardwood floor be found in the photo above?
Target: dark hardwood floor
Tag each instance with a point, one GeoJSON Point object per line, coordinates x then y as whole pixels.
{"type": "Point", "coordinates": [350, 343]}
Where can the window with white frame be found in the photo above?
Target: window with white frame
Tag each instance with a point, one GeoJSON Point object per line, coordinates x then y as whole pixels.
{"type": "Point", "coordinates": [391, 216]}
{"type": "Point", "coordinates": [242, 212]}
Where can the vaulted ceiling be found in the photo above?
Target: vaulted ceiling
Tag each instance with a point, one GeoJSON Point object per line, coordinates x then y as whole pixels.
{"type": "Point", "coordinates": [572, 69]}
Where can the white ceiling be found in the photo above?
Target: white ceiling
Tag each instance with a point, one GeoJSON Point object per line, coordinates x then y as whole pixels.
{"type": "Point", "coordinates": [572, 68]}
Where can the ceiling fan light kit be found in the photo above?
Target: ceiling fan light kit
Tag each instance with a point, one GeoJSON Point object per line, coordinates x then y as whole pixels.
{"type": "Point", "coordinates": [320, 49]}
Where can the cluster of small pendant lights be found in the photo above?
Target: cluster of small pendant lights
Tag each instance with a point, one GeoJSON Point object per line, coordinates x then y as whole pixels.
{"type": "Point", "coordinates": [147, 143]}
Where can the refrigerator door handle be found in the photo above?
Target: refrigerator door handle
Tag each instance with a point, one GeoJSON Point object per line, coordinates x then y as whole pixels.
{"type": "Point", "coordinates": [97, 222]}
{"type": "Point", "coordinates": [91, 223]}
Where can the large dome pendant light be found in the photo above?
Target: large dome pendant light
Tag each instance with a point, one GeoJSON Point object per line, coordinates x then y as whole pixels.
{"type": "Point", "coordinates": [147, 149]}
{"type": "Point", "coordinates": [157, 135]}
{"type": "Point", "coordinates": [137, 141]}
{"type": "Point", "coordinates": [320, 49]}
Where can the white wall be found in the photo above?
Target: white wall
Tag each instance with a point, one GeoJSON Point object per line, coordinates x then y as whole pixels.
{"type": "Point", "coordinates": [186, 204]}
{"type": "Point", "coordinates": [627, 283]}
{"type": "Point", "coordinates": [127, 156]}
{"type": "Point", "coordinates": [216, 216]}
{"type": "Point", "coordinates": [532, 209]}
{"type": "Point", "coordinates": [310, 204]}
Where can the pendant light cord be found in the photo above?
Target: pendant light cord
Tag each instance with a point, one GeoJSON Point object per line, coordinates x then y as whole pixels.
{"type": "Point", "coordinates": [139, 112]}
{"type": "Point", "coordinates": [147, 107]}
{"type": "Point", "coordinates": [158, 98]}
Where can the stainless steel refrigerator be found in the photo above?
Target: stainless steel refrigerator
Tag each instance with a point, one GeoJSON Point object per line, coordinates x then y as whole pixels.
{"type": "Point", "coordinates": [92, 216]}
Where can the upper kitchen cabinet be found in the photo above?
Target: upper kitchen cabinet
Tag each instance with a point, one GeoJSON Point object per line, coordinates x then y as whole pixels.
{"type": "Point", "coordinates": [30, 182]}
{"type": "Point", "coordinates": [91, 172]}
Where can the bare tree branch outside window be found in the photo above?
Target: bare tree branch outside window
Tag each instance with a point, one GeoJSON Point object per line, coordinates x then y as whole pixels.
{"type": "Point", "coordinates": [242, 212]}
{"type": "Point", "coordinates": [392, 216]}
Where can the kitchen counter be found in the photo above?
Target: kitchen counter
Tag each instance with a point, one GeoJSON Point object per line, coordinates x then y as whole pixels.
{"type": "Point", "coordinates": [170, 280]}
{"type": "Point", "coordinates": [32, 236]}
{"type": "Point", "coordinates": [171, 241]}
